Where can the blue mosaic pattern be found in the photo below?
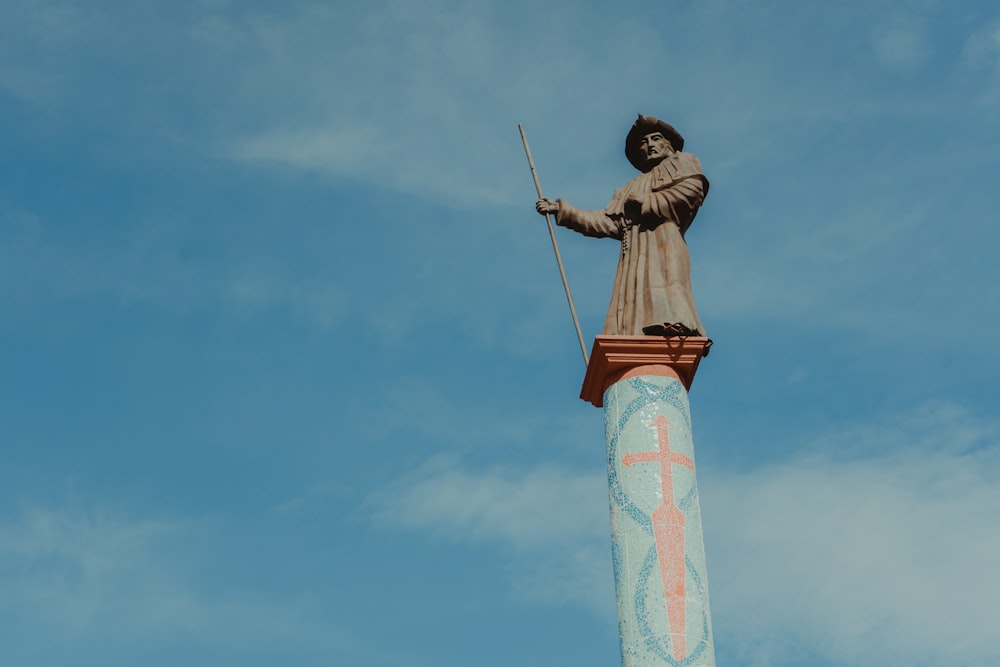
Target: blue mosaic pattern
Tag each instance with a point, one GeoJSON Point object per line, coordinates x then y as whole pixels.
{"type": "Point", "coordinates": [631, 406]}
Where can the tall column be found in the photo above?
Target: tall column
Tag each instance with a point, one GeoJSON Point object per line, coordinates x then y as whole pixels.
{"type": "Point", "coordinates": [656, 536]}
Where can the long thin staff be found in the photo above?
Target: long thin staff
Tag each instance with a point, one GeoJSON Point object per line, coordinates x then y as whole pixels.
{"type": "Point", "coordinates": [555, 247]}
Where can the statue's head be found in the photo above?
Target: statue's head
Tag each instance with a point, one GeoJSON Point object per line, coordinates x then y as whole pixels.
{"type": "Point", "coordinates": [643, 146]}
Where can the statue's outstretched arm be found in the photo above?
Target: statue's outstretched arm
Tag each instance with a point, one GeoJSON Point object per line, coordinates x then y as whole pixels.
{"type": "Point", "coordinates": [589, 223]}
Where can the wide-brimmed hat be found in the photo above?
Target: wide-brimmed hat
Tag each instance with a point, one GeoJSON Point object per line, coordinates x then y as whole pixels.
{"type": "Point", "coordinates": [647, 125]}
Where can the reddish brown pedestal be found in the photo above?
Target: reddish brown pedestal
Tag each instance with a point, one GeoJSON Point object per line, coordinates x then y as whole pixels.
{"type": "Point", "coordinates": [616, 357]}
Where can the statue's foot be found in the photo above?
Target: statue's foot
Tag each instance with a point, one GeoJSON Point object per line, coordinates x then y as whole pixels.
{"type": "Point", "coordinates": [669, 329]}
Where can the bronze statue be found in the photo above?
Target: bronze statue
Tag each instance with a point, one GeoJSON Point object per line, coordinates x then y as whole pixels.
{"type": "Point", "coordinates": [652, 291]}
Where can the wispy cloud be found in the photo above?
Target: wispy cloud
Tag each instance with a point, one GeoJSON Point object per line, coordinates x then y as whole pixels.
{"type": "Point", "coordinates": [154, 262]}
{"type": "Point", "coordinates": [981, 57]}
{"type": "Point", "coordinates": [552, 523]}
{"type": "Point", "coordinates": [499, 505]}
{"type": "Point", "coordinates": [425, 100]}
{"type": "Point", "coordinates": [119, 586]}
{"type": "Point", "coordinates": [880, 548]}
{"type": "Point", "coordinates": [982, 47]}
{"type": "Point", "coordinates": [903, 44]}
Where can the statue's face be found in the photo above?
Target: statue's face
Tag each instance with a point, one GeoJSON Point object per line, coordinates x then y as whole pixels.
{"type": "Point", "coordinates": [655, 147]}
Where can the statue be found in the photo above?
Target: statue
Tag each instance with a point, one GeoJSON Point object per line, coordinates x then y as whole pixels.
{"type": "Point", "coordinates": [652, 290]}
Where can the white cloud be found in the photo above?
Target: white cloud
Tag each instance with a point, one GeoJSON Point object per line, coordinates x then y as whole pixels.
{"type": "Point", "coordinates": [878, 548]}
{"type": "Point", "coordinates": [408, 100]}
{"type": "Point", "coordinates": [424, 99]}
{"type": "Point", "coordinates": [553, 523]}
{"type": "Point", "coordinates": [93, 579]}
{"type": "Point", "coordinates": [903, 45]}
{"type": "Point", "coordinates": [500, 505]}
{"type": "Point", "coordinates": [341, 151]}
{"type": "Point", "coordinates": [982, 47]}
{"type": "Point", "coordinates": [48, 32]}
{"type": "Point", "coordinates": [323, 305]}
{"type": "Point", "coordinates": [981, 54]}
{"type": "Point", "coordinates": [882, 550]}
{"type": "Point", "coordinates": [154, 264]}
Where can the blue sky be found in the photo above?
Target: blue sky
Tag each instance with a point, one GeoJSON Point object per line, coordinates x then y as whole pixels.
{"type": "Point", "coordinates": [289, 377]}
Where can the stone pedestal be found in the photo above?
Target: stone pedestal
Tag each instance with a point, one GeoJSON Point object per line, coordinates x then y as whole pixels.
{"type": "Point", "coordinates": [656, 536]}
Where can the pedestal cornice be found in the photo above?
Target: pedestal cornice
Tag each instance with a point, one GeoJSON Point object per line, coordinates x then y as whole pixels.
{"type": "Point", "coordinates": [612, 357]}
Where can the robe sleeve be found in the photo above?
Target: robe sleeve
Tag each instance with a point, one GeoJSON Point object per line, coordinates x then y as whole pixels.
{"type": "Point", "coordinates": [678, 203]}
{"type": "Point", "coordinates": [589, 223]}
{"type": "Point", "coordinates": [678, 200]}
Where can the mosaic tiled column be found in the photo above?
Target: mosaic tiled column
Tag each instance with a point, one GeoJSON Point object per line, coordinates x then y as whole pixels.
{"type": "Point", "coordinates": [656, 537]}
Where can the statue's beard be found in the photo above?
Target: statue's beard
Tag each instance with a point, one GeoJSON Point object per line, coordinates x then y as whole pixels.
{"type": "Point", "coordinates": [654, 160]}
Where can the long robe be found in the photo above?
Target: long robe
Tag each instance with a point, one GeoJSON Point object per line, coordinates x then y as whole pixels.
{"type": "Point", "coordinates": [649, 216]}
